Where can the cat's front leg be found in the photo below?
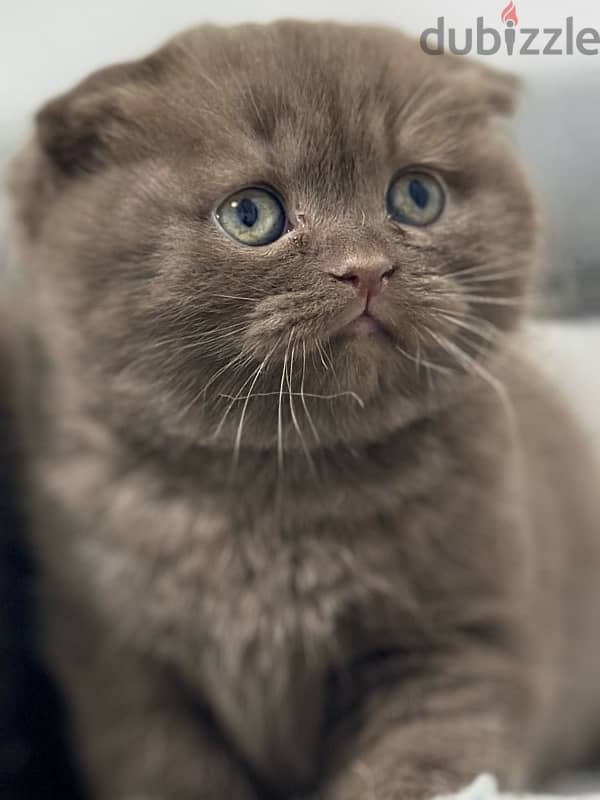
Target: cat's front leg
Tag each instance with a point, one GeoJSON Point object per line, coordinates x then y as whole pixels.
{"type": "Point", "coordinates": [434, 735]}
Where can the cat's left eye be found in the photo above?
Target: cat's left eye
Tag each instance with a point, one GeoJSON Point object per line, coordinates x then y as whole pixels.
{"type": "Point", "coordinates": [253, 216]}
{"type": "Point", "coordinates": [415, 197]}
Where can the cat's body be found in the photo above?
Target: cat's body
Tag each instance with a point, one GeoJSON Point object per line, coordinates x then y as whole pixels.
{"type": "Point", "coordinates": [380, 577]}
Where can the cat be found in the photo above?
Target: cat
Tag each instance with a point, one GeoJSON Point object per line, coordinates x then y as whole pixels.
{"type": "Point", "coordinates": [308, 520]}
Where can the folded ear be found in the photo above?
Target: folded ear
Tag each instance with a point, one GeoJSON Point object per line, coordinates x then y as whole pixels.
{"type": "Point", "coordinates": [496, 91]}
{"type": "Point", "coordinates": [98, 120]}
{"type": "Point", "coordinates": [500, 91]}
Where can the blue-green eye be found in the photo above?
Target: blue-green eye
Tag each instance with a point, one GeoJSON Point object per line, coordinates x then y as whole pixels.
{"type": "Point", "coordinates": [415, 198]}
{"type": "Point", "coordinates": [252, 216]}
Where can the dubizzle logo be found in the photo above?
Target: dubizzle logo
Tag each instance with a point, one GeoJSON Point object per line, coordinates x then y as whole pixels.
{"type": "Point", "coordinates": [487, 41]}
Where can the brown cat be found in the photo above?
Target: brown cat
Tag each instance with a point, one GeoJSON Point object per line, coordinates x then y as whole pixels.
{"type": "Point", "coordinates": [308, 520]}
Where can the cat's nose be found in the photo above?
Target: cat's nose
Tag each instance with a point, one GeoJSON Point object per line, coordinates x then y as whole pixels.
{"type": "Point", "coordinates": [367, 278]}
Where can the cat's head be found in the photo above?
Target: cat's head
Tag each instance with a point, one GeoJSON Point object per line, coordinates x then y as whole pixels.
{"type": "Point", "coordinates": [289, 232]}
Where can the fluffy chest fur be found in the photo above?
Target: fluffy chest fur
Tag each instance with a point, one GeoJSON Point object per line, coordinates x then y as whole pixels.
{"type": "Point", "coordinates": [279, 621]}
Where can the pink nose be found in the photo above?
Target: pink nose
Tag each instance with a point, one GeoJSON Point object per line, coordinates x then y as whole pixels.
{"type": "Point", "coordinates": [368, 279]}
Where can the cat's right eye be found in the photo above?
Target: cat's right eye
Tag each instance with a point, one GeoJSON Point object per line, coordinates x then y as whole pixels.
{"type": "Point", "coordinates": [252, 216]}
{"type": "Point", "coordinates": [415, 197]}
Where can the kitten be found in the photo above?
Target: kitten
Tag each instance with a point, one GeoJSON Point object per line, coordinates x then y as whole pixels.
{"type": "Point", "coordinates": [308, 521]}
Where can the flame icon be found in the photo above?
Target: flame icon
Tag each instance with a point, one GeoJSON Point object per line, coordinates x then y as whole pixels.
{"type": "Point", "coordinates": [509, 14]}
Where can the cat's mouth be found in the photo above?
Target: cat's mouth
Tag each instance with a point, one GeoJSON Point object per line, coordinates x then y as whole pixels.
{"type": "Point", "coordinates": [364, 324]}
{"type": "Point", "coordinates": [360, 322]}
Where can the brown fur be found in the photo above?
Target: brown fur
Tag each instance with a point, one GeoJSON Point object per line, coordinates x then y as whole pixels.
{"type": "Point", "coordinates": [380, 577]}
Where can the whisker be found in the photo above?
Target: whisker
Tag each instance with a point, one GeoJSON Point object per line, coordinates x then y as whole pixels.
{"type": "Point", "coordinates": [418, 355]}
{"type": "Point", "coordinates": [419, 361]}
{"type": "Point", "coordinates": [280, 461]}
{"type": "Point", "coordinates": [472, 328]}
{"type": "Point", "coordinates": [475, 367]}
{"type": "Point", "coordinates": [330, 361]}
{"type": "Point", "coordinates": [424, 362]}
{"type": "Point", "coordinates": [290, 381]}
{"type": "Point", "coordinates": [223, 419]}
{"type": "Point", "coordinates": [224, 369]}
{"type": "Point", "coordinates": [490, 278]}
{"type": "Point", "coordinates": [199, 337]}
{"type": "Point", "coordinates": [237, 297]}
{"type": "Point", "coordinates": [478, 269]}
{"type": "Point", "coordinates": [185, 411]}
{"type": "Point", "coordinates": [240, 428]}
{"type": "Point", "coordinates": [320, 351]}
{"type": "Point", "coordinates": [206, 345]}
{"type": "Point", "coordinates": [334, 396]}
{"type": "Point", "coordinates": [477, 348]}
{"type": "Point", "coordinates": [515, 302]}
{"type": "Point", "coordinates": [303, 396]}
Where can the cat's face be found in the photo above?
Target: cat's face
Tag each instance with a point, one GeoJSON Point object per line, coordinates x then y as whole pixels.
{"type": "Point", "coordinates": [276, 233]}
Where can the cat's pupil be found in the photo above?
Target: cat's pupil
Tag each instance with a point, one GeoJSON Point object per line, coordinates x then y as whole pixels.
{"type": "Point", "coordinates": [247, 212]}
{"type": "Point", "coordinates": [418, 193]}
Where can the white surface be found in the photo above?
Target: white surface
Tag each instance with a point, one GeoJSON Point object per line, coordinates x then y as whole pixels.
{"type": "Point", "coordinates": [485, 788]}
